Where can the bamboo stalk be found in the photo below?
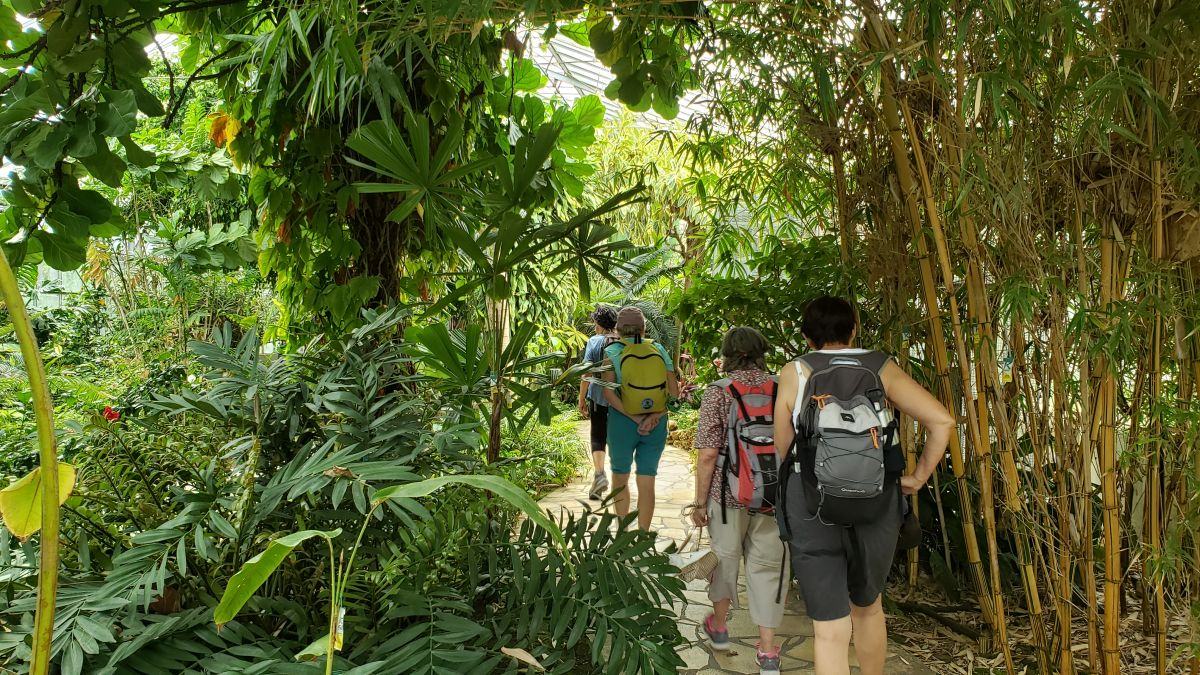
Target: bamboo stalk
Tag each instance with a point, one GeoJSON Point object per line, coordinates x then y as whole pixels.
{"type": "Point", "coordinates": [1025, 550]}
{"type": "Point", "coordinates": [1154, 479]}
{"type": "Point", "coordinates": [1106, 419]}
{"type": "Point", "coordinates": [980, 437]}
{"type": "Point", "coordinates": [991, 600]}
{"type": "Point", "coordinates": [43, 407]}
{"type": "Point", "coordinates": [909, 441]}
{"type": "Point", "coordinates": [1063, 421]}
{"type": "Point", "coordinates": [839, 185]}
{"type": "Point", "coordinates": [1084, 502]}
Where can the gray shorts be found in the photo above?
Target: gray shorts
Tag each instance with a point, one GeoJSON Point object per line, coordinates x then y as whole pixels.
{"type": "Point", "coordinates": [836, 565]}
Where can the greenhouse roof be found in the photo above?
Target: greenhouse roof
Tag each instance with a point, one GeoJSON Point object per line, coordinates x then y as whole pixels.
{"type": "Point", "coordinates": [574, 72]}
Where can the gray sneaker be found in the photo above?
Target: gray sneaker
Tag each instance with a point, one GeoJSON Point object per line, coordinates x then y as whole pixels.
{"type": "Point", "coordinates": [718, 638]}
{"type": "Point", "coordinates": [768, 664]}
{"type": "Point", "coordinates": [599, 486]}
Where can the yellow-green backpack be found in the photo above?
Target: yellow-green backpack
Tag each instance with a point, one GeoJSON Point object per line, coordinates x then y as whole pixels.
{"type": "Point", "coordinates": [643, 377]}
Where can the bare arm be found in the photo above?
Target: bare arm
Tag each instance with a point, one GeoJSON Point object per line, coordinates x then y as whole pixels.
{"type": "Point", "coordinates": [610, 395]}
{"type": "Point", "coordinates": [706, 464]}
{"type": "Point", "coordinates": [785, 398]}
{"type": "Point", "coordinates": [672, 384]}
{"type": "Point", "coordinates": [583, 387]}
{"type": "Point", "coordinates": [711, 438]}
{"type": "Point", "coordinates": [915, 401]}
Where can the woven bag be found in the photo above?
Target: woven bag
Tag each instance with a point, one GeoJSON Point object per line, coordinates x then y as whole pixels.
{"type": "Point", "coordinates": [698, 563]}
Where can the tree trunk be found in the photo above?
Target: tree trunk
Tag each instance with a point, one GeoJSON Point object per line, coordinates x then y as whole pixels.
{"type": "Point", "coordinates": [498, 331]}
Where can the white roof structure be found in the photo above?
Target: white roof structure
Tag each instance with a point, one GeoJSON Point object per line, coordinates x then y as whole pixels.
{"type": "Point", "coordinates": [575, 72]}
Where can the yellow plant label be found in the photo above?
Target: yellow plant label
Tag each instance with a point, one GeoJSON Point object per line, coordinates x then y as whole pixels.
{"type": "Point", "coordinates": [341, 629]}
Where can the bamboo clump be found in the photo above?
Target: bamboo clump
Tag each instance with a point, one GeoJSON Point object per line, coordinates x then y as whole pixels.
{"type": "Point", "coordinates": [1016, 181]}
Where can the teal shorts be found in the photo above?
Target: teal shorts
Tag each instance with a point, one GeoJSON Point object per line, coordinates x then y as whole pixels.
{"type": "Point", "coordinates": [625, 445]}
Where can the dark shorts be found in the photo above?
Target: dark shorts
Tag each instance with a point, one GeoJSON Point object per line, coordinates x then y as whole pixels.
{"type": "Point", "coordinates": [834, 565]}
{"type": "Point", "coordinates": [598, 414]}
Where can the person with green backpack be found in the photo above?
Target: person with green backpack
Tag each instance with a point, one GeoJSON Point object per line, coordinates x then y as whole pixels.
{"type": "Point", "coordinates": [641, 377]}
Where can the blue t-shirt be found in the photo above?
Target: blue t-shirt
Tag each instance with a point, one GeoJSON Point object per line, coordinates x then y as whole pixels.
{"type": "Point", "coordinates": [613, 352]}
{"type": "Point", "coordinates": [594, 352]}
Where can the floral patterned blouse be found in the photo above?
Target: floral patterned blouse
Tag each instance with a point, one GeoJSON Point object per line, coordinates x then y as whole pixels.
{"type": "Point", "coordinates": [712, 428]}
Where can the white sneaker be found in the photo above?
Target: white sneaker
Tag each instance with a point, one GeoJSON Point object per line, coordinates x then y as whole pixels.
{"type": "Point", "coordinates": [599, 486]}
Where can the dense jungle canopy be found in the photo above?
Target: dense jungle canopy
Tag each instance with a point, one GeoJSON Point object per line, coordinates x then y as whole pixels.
{"type": "Point", "coordinates": [336, 255]}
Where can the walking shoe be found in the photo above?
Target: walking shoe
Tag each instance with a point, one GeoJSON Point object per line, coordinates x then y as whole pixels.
{"type": "Point", "coordinates": [719, 638]}
{"type": "Point", "coordinates": [768, 662]}
{"type": "Point", "coordinates": [599, 486]}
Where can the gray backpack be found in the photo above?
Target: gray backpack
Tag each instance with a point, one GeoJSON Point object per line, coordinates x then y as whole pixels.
{"type": "Point", "coordinates": [847, 452]}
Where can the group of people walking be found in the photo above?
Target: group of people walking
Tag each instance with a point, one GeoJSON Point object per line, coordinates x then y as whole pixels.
{"type": "Point", "coordinates": [798, 469]}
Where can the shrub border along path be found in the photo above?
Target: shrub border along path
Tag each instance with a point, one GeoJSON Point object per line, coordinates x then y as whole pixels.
{"type": "Point", "coordinates": [675, 491]}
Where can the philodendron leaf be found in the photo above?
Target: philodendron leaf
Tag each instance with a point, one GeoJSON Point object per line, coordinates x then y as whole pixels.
{"type": "Point", "coordinates": [21, 502]}
{"type": "Point", "coordinates": [499, 486]}
{"type": "Point", "coordinates": [256, 570]}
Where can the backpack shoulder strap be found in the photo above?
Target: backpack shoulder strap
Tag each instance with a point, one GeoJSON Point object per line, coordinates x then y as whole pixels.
{"type": "Point", "coordinates": [875, 360]}
{"type": "Point", "coordinates": [736, 394]}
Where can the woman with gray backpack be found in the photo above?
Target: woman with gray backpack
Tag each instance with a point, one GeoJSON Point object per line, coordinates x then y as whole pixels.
{"type": "Point", "coordinates": [843, 481]}
{"type": "Point", "coordinates": [736, 480]}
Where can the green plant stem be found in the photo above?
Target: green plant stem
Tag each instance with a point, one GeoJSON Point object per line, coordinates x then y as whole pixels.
{"type": "Point", "coordinates": [338, 579]}
{"type": "Point", "coordinates": [333, 605]}
{"type": "Point", "coordinates": [43, 626]}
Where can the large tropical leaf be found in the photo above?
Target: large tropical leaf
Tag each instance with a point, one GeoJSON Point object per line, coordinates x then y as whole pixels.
{"type": "Point", "coordinates": [419, 166]}
{"type": "Point", "coordinates": [454, 357]}
{"type": "Point", "coordinates": [256, 570]}
{"type": "Point", "coordinates": [21, 502]}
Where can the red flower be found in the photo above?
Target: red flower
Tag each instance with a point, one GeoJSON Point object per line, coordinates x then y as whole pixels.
{"type": "Point", "coordinates": [110, 414]}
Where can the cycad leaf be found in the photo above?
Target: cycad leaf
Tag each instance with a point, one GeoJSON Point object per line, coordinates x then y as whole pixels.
{"type": "Point", "coordinates": [496, 485]}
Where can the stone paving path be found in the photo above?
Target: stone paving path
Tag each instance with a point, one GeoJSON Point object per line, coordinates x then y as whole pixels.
{"type": "Point", "coordinates": [675, 490]}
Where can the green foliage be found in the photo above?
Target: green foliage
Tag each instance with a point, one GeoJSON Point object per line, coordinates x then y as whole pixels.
{"type": "Point", "coordinates": [292, 99]}
{"type": "Point", "coordinates": [172, 499]}
{"type": "Point", "coordinates": [648, 57]}
{"type": "Point", "coordinates": [682, 432]}
{"type": "Point", "coordinates": [253, 574]}
{"type": "Point", "coordinates": [223, 246]}
{"type": "Point", "coordinates": [540, 458]}
{"type": "Point", "coordinates": [785, 277]}
{"type": "Point", "coordinates": [498, 486]}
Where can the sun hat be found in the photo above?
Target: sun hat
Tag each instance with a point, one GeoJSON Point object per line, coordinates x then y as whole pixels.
{"type": "Point", "coordinates": [631, 319]}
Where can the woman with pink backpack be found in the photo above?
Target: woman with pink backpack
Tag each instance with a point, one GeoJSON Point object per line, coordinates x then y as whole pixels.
{"type": "Point", "coordinates": [736, 477]}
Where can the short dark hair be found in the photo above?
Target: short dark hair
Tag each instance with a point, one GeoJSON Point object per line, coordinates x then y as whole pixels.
{"type": "Point", "coordinates": [605, 317]}
{"type": "Point", "coordinates": [828, 320]}
{"type": "Point", "coordinates": [743, 348]}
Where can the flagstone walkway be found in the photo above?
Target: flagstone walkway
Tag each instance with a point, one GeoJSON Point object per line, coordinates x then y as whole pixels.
{"type": "Point", "coordinates": [674, 491]}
